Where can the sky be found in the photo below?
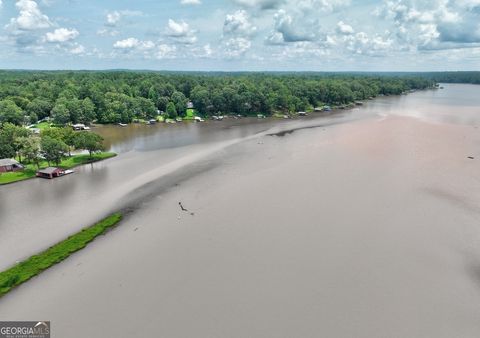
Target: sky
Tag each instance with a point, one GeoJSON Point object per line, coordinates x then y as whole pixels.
{"type": "Point", "coordinates": [241, 35]}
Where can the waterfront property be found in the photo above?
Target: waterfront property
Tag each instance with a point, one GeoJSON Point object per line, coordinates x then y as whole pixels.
{"type": "Point", "coordinates": [9, 165]}
{"type": "Point", "coordinates": [80, 126]}
{"type": "Point", "coordinates": [51, 172]}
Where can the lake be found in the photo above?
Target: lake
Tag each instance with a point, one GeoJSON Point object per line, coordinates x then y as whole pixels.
{"type": "Point", "coordinates": [362, 223]}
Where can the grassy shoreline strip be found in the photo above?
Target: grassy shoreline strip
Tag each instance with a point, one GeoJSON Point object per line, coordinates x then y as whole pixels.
{"type": "Point", "coordinates": [68, 163]}
{"type": "Point", "coordinates": [23, 271]}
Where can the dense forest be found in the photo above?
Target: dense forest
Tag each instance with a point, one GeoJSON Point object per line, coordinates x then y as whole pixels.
{"type": "Point", "coordinates": [454, 77]}
{"type": "Point", "coordinates": [121, 96]}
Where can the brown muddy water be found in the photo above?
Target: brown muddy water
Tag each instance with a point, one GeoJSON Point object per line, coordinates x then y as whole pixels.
{"type": "Point", "coordinates": [364, 223]}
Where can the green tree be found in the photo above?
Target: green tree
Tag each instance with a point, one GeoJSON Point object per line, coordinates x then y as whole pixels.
{"type": "Point", "coordinates": [40, 107]}
{"type": "Point", "coordinates": [10, 112]}
{"type": "Point", "coordinates": [88, 108]}
{"type": "Point", "coordinates": [89, 141]}
{"type": "Point", "coordinates": [53, 150]}
{"type": "Point", "coordinates": [171, 110]}
{"type": "Point", "coordinates": [180, 102]}
{"type": "Point", "coordinates": [60, 114]}
{"type": "Point", "coordinates": [31, 150]}
{"type": "Point", "coordinates": [11, 139]}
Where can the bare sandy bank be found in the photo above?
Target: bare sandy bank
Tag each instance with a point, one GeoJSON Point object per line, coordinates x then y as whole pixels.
{"type": "Point", "coordinates": [367, 229]}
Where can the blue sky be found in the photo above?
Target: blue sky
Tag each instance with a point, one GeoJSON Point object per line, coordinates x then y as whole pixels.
{"type": "Point", "coordinates": [239, 35]}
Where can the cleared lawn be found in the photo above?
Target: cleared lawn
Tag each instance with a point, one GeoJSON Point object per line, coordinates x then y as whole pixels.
{"type": "Point", "coordinates": [34, 265]}
{"type": "Point", "coordinates": [67, 163]}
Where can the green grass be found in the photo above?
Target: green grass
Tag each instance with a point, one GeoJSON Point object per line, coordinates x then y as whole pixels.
{"type": "Point", "coordinates": [67, 163]}
{"type": "Point", "coordinates": [23, 271]}
{"type": "Point", "coordinates": [76, 160]}
{"type": "Point", "coordinates": [6, 178]}
{"type": "Point", "coordinates": [43, 125]}
{"type": "Point", "coordinates": [190, 115]}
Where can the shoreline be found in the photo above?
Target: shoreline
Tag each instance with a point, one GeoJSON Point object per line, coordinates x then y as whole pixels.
{"type": "Point", "coordinates": [103, 156]}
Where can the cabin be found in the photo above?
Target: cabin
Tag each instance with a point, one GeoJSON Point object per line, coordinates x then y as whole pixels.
{"type": "Point", "coordinates": [50, 172]}
{"type": "Point", "coordinates": [8, 165]}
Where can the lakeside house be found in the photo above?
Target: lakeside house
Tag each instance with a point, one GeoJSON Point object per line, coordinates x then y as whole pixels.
{"type": "Point", "coordinates": [80, 126]}
{"type": "Point", "coordinates": [50, 172]}
{"type": "Point", "coordinates": [10, 165]}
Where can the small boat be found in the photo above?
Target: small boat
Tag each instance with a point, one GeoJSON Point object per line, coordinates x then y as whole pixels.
{"type": "Point", "coordinates": [68, 172]}
{"type": "Point", "coordinates": [261, 116]}
{"type": "Point", "coordinates": [122, 124]}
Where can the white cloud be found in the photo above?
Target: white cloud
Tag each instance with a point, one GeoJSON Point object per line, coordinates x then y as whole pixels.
{"type": "Point", "coordinates": [113, 18]}
{"type": "Point", "coordinates": [177, 29]}
{"type": "Point", "coordinates": [61, 35]}
{"type": "Point", "coordinates": [236, 47]}
{"type": "Point", "coordinates": [165, 51]}
{"type": "Point", "coordinates": [180, 32]}
{"type": "Point", "coordinates": [239, 24]}
{"type": "Point", "coordinates": [190, 2]}
{"type": "Point", "coordinates": [288, 29]}
{"type": "Point", "coordinates": [343, 28]}
{"type": "Point", "coordinates": [434, 24]}
{"type": "Point", "coordinates": [133, 43]}
{"type": "Point", "coordinates": [29, 18]}
{"type": "Point", "coordinates": [77, 49]}
{"type": "Point", "coordinates": [362, 43]}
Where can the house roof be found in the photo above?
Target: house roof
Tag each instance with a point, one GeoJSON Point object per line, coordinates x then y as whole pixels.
{"type": "Point", "coordinates": [7, 161]}
{"type": "Point", "coordinates": [49, 170]}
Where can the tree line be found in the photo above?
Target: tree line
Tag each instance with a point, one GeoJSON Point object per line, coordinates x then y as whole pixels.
{"type": "Point", "coordinates": [122, 96]}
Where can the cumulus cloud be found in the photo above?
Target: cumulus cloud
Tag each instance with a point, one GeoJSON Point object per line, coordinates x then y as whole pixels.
{"type": "Point", "coordinates": [30, 17]}
{"type": "Point", "coordinates": [61, 35]}
{"type": "Point", "coordinates": [180, 32]}
{"type": "Point", "coordinates": [362, 43]}
{"type": "Point", "coordinates": [133, 43]}
{"type": "Point", "coordinates": [236, 47]}
{"type": "Point", "coordinates": [190, 2]}
{"type": "Point", "coordinates": [238, 24]}
{"type": "Point", "coordinates": [435, 24]}
{"type": "Point", "coordinates": [77, 49]}
{"type": "Point", "coordinates": [287, 29]}
{"type": "Point", "coordinates": [343, 28]}
{"type": "Point", "coordinates": [165, 51]}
